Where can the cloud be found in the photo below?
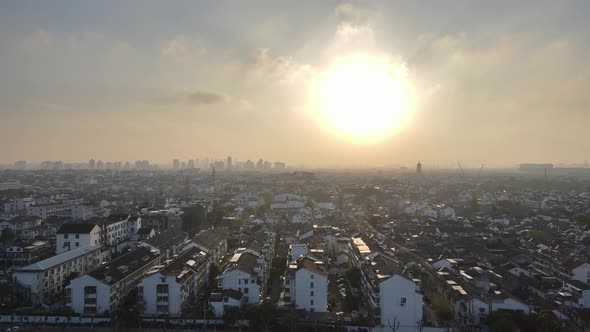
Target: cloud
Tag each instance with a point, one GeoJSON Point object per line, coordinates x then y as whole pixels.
{"type": "Point", "coordinates": [347, 12]}
{"type": "Point", "coordinates": [179, 48]}
{"type": "Point", "coordinates": [189, 98]}
{"type": "Point", "coordinates": [281, 68]}
{"type": "Point", "coordinates": [208, 98]}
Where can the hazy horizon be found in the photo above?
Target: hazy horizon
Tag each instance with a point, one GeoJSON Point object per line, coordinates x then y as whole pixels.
{"type": "Point", "coordinates": [499, 83]}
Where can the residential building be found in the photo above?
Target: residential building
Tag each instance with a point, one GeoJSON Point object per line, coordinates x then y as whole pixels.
{"type": "Point", "coordinates": [75, 235]}
{"type": "Point", "coordinates": [306, 285]}
{"type": "Point", "coordinates": [103, 290]}
{"type": "Point", "coordinates": [243, 275]}
{"type": "Point", "coordinates": [43, 281]}
{"type": "Point", "coordinates": [165, 289]}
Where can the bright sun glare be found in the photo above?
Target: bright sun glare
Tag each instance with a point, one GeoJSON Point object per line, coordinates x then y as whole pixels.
{"type": "Point", "coordinates": [363, 99]}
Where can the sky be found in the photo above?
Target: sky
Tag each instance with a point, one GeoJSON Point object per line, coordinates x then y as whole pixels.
{"type": "Point", "coordinates": [495, 82]}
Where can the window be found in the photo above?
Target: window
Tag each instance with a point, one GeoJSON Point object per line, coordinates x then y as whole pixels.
{"type": "Point", "coordinates": [65, 236]}
{"type": "Point", "coordinates": [162, 308]}
{"type": "Point", "coordinates": [90, 300]}
{"type": "Point", "coordinates": [246, 290]}
{"type": "Point", "coordinates": [77, 236]}
{"type": "Point", "coordinates": [311, 276]}
{"type": "Point", "coordinates": [162, 288]}
{"type": "Point", "coordinates": [311, 302]}
{"type": "Point", "coordinates": [311, 284]}
{"type": "Point", "coordinates": [162, 298]}
{"type": "Point", "coordinates": [403, 300]}
{"type": "Point", "coordinates": [89, 290]}
{"type": "Point", "coordinates": [77, 244]}
{"type": "Point", "coordinates": [311, 293]}
{"type": "Point", "coordinates": [245, 281]}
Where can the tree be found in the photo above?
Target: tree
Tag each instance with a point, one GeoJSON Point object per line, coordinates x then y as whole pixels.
{"type": "Point", "coordinates": [214, 271]}
{"type": "Point", "coordinates": [231, 315]}
{"type": "Point", "coordinates": [7, 235]}
{"type": "Point", "coordinates": [261, 316]}
{"type": "Point", "coordinates": [353, 275]}
{"type": "Point", "coordinates": [442, 307]}
{"type": "Point", "coordinates": [501, 321]}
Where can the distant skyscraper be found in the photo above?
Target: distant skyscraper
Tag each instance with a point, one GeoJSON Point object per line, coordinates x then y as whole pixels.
{"type": "Point", "coordinates": [92, 164]}
{"type": "Point", "coordinates": [418, 168]}
{"type": "Point", "coordinates": [99, 164]}
{"type": "Point", "coordinates": [197, 163]}
{"type": "Point", "coordinates": [228, 164]}
{"type": "Point", "coordinates": [176, 164]}
{"type": "Point", "coordinates": [280, 165]}
{"type": "Point", "coordinates": [206, 163]}
{"type": "Point", "coordinates": [260, 164]}
{"type": "Point", "coordinates": [191, 164]}
{"type": "Point", "coordinates": [21, 164]}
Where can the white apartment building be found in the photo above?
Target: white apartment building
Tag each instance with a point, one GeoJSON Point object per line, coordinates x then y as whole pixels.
{"type": "Point", "coordinates": [18, 204]}
{"type": "Point", "coordinates": [59, 207]}
{"type": "Point", "coordinates": [119, 228]}
{"type": "Point", "coordinates": [44, 280]}
{"type": "Point", "coordinates": [244, 275]}
{"type": "Point", "coordinates": [400, 301]}
{"type": "Point", "coordinates": [165, 289]}
{"type": "Point", "coordinates": [104, 290]}
{"type": "Point", "coordinates": [309, 285]}
{"type": "Point", "coordinates": [391, 295]}
{"type": "Point", "coordinates": [83, 212]}
{"type": "Point", "coordinates": [76, 235]}
{"type": "Point", "coordinates": [212, 241]}
{"type": "Point", "coordinates": [114, 230]}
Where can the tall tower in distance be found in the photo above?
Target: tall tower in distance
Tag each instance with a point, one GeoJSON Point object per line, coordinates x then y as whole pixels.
{"type": "Point", "coordinates": [228, 164]}
{"type": "Point", "coordinates": [419, 168]}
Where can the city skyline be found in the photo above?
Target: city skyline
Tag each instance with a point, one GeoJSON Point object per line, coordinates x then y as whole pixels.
{"type": "Point", "coordinates": [485, 83]}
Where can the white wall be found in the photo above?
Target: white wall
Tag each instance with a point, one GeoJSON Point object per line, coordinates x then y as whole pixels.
{"type": "Point", "coordinates": [235, 279]}
{"type": "Point", "coordinates": [392, 291]}
{"type": "Point", "coordinates": [302, 291]}
{"type": "Point", "coordinates": [150, 295]}
{"type": "Point", "coordinates": [103, 294]}
{"type": "Point", "coordinates": [582, 273]}
{"type": "Point", "coordinates": [91, 239]}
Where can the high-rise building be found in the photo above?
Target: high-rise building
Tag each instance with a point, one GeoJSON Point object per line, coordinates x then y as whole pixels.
{"type": "Point", "coordinates": [280, 165]}
{"type": "Point", "coordinates": [206, 163]}
{"type": "Point", "coordinates": [20, 164]}
{"type": "Point", "coordinates": [176, 164]}
{"type": "Point", "coordinates": [191, 163]}
{"type": "Point", "coordinates": [228, 164]}
{"type": "Point", "coordinates": [91, 164]}
{"type": "Point", "coordinates": [419, 168]}
{"type": "Point", "coordinates": [99, 164]}
{"type": "Point", "coordinates": [260, 164]}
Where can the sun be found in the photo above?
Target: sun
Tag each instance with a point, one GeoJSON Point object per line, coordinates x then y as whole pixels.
{"type": "Point", "coordinates": [362, 98]}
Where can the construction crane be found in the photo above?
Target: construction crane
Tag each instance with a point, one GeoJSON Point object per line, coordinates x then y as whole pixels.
{"type": "Point", "coordinates": [461, 168]}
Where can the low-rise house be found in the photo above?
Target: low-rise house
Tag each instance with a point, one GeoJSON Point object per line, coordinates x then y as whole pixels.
{"type": "Point", "coordinates": [244, 275]}
{"type": "Point", "coordinates": [43, 281]}
{"type": "Point", "coordinates": [226, 298]}
{"type": "Point", "coordinates": [21, 255]}
{"type": "Point", "coordinates": [165, 289]}
{"type": "Point", "coordinates": [212, 241]}
{"type": "Point", "coordinates": [103, 290]}
{"type": "Point", "coordinates": [306, 284]}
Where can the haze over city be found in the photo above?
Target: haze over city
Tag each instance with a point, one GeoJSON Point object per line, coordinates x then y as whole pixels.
{"type": "Point", "coordinates": [499, 82]}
